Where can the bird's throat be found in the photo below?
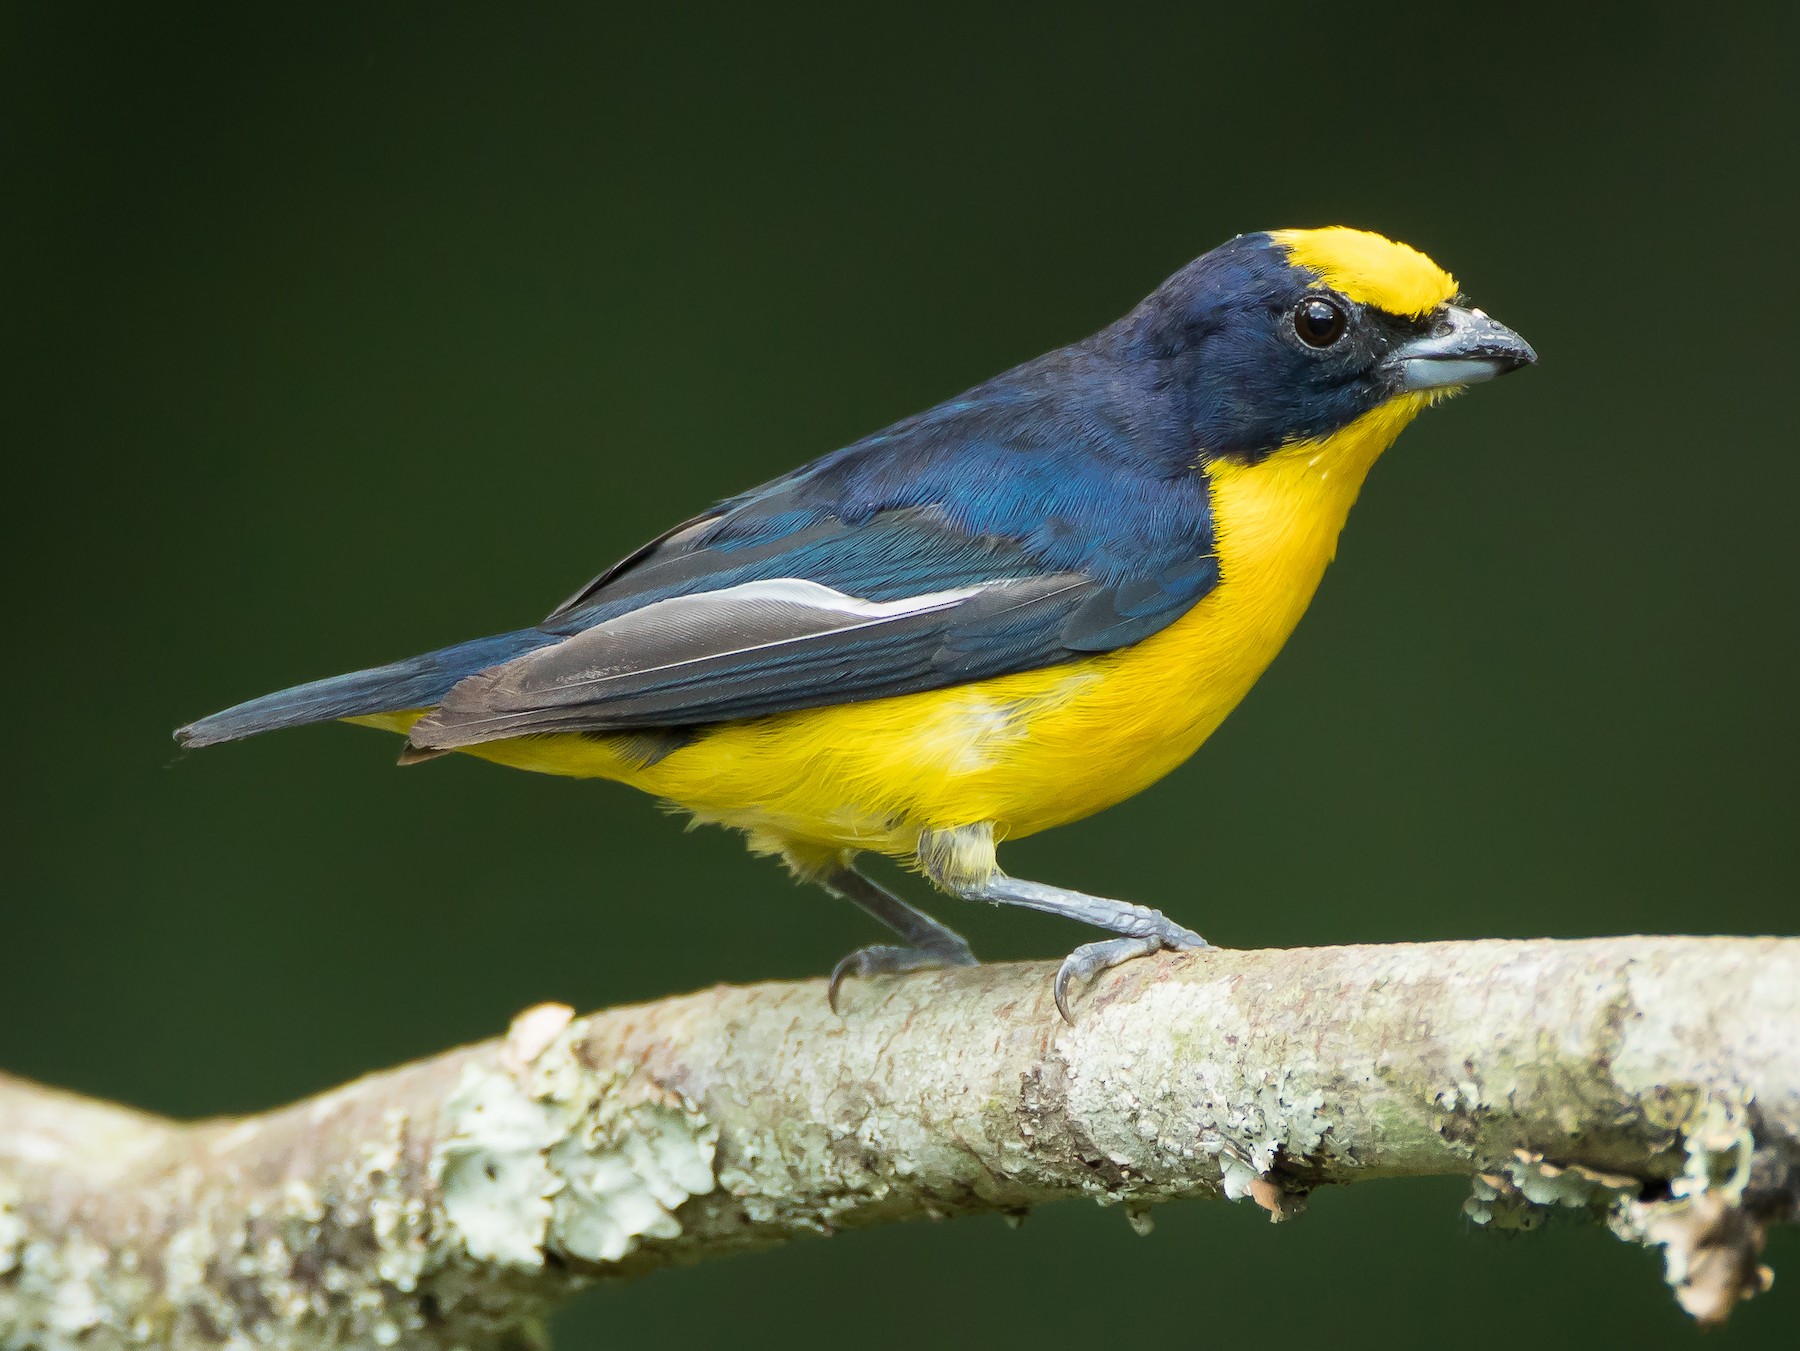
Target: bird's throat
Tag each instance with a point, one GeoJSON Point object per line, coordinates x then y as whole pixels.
{"type": "Point", "coordinates": [1283, 514]}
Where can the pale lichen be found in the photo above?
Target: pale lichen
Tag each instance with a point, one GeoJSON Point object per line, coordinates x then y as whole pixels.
{"type": "Point", "coordinates": [1711, 1244]}
{"type": "Point", "coordinates": [1718, 1146]}
{"type": "Point", "coordinates": [1524, 1189]}
{"type": "Point", "coordinates": [12, 1229]}
{"type": "Point", "coordinates": [1278, 1118]}
{"type": "Point", "coordinates": [1236, 1175]}
{"type": "Point", "coordinates": [567, 1159]}
{"type": "Point", "coordinates": [490, 1168]}
{"type": "Point", "coordinates": [76, 1306]}
{"type": "Point", "coordinates": [624, 1179]}
{"type": "Point", "coordinates": [65, 1292]}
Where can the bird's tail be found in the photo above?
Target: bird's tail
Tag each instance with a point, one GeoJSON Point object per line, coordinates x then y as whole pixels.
{"type": "Point", "coordinates": [417, 682]}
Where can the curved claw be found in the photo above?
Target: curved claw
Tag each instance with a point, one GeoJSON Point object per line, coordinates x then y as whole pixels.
{"type": "Point", "coordinates": [1090, 959]}
{"type": "Point", "coordinates": [883, 959]}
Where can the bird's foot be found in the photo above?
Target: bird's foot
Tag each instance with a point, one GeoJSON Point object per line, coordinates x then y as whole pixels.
{"type": "Point", "coordinates": [1141, 930]}
{"type": "Point", "coordinates": [1090, 959]}
{"type": "Point", "coordinates": [887, 959]}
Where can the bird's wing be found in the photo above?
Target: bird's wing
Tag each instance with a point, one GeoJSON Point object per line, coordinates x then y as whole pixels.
{"type": "Point", "coordinates": [999, 533]}
{"type": "Point", "coordinates": [771, 644]}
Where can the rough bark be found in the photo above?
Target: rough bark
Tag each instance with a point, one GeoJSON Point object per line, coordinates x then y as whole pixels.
{"type": "Point", "coordinates": [1651, 1082]}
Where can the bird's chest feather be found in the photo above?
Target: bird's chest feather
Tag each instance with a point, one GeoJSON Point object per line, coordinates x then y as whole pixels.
{"type": "Point", "coordinates": [1109, 727]}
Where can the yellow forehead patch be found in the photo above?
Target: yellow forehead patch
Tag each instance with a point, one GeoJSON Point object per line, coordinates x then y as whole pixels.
{"type": "Point", "coordinates": [1370, 269]}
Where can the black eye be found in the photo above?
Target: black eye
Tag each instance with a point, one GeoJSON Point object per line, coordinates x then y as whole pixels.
{"type": "Point", "coordinates": [1320, 322]}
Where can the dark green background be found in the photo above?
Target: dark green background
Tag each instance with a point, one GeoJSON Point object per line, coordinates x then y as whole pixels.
{"type": "Point", "coordinates": [336, 336]}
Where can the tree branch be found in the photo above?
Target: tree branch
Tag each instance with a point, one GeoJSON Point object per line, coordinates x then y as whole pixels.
{"type": "Point", "coordinates": [1651, 1082]}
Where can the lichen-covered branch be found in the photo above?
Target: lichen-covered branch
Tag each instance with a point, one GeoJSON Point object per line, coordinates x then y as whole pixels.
{"type": "Point", "coordinates": [1651, 1082]}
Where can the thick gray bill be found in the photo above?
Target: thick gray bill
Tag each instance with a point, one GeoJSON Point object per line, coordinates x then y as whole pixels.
{"type": "Point", "coordinates": [1464, 348]}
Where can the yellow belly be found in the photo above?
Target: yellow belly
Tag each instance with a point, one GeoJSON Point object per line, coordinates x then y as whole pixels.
{"type": "Point", "coordinates": [1031, 750]}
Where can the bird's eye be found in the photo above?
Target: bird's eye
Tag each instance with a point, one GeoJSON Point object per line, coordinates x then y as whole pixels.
{"type": "Point", "coordinates": [1320, 322]}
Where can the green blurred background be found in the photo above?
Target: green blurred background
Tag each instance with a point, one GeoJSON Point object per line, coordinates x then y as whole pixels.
{"type": "Point", "coordinates": [341, 334]}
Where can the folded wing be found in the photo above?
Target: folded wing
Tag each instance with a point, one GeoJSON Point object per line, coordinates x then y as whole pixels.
{"type": "Point", "coordinates": [758, 648]}
{"type": "Point", "coordinates": [997, 534]}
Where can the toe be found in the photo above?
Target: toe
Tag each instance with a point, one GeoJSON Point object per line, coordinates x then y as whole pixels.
{"type": "Point", "coordinates": [887, 959]}
{"type": "Point", "coordinates": [1092, 958]}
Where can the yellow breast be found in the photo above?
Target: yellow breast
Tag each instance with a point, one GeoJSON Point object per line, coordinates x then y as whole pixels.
{"type": "Point", "coordinates": [1035, 749]}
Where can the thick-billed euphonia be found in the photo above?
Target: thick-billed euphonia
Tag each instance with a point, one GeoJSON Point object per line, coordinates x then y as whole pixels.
{"type": "Point", "coordinates": [999, 615]}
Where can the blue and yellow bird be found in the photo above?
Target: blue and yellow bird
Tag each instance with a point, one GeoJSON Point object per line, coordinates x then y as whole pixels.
{"type": "Point", "coordinates": [997, 616]}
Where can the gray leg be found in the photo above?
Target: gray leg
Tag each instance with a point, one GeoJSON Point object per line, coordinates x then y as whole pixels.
{"type": "Point", "coordinates": [1144, 930]}
{"type": "Point", "coordinates": [927, 942]}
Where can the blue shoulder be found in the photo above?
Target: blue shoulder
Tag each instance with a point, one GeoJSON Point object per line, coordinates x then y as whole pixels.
{"type": "Point", "coordinates": [1072, 463]}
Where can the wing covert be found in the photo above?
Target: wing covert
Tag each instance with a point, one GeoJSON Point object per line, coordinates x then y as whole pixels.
{"type": "Point", "coordinates": [1010, 529]}
{"type": "Point", "coordinates": [755, 649]}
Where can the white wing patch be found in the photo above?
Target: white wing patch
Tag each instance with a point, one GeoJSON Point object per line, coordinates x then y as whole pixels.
{"type": "Point", "coordinates": [699, 638]}
{"type": "Point", "coordinates": [667, 634]}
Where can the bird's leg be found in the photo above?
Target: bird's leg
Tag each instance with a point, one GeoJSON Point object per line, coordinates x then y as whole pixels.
{"type": "Point", "coordinates": [962, 862]}
{"type": "Point", "coordinates": [1143, 930]}
{"type": "Point", "coordinates": [927, 942]}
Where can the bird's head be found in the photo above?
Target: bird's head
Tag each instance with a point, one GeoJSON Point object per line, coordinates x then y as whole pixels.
{"type": "Point", "coordinates": [1286, 338]}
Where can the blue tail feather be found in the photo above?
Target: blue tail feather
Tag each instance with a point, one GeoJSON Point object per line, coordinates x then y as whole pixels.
{"type": "Point", "coordinates": [417, 682]}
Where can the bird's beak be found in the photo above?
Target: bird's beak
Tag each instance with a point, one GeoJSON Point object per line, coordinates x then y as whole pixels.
{"type": "Point", "coordinates": [1464, 347]}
